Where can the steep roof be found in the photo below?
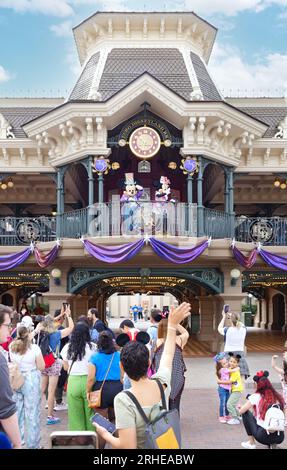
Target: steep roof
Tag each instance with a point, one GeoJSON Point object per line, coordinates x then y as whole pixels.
{"type": "Point", "coordinates": [270, 115]}
{"type": "Point", "coordinates": [17, 117]}
{"type": "Point", "coordinates": [124, 65]}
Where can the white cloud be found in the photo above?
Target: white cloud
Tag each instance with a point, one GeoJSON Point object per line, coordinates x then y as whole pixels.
{"type": "Point", "coordinates": [229, 7]}
{"type": "Point", "coordinates": [73, 61]}
{"type": "Point", "coordinates": [231, 73]}
{"type": "Point", "coordinates": [4, 75]}
{"type": "Point", "coordinates": [62, 29]}
{"type": "Point", "coordinates": [60, 8]}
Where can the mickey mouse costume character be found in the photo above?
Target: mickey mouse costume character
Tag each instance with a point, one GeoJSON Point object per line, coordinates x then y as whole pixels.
{"type": "Point", "coordinates": [131, 212]}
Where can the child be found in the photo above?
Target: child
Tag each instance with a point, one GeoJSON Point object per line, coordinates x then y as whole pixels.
{"type": "Point", "coordinates": [283, 377]}
{"type": "Point", "coordinates": [236, 388]}
{"type": "Point", "coordinates": [224, 385]}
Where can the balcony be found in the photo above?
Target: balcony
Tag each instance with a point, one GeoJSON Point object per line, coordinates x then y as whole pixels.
{"type": "Point", "coordinates": [147, 218]}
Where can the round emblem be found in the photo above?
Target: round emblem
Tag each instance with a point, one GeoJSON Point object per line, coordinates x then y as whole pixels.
{"type": "Point", "coordinates": [28, 230]}
{"type": "Point", "coordinates": [261, 231]}
{"type": "Point", "coordinates": [144, 142]}
{"type": "Point", "coordinates": [100, 165]}
{"type": "Point", "coordinates": [189, 165]}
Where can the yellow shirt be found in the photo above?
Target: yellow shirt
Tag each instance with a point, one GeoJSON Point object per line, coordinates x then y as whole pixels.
{"type": "Point", "coordinates": [236, 385]}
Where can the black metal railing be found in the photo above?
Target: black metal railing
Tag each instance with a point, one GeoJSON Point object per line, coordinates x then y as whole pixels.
{"type": "Point", "coordinates": [23, 230]}
{"type": "Point", "coordinates": [144, 218]}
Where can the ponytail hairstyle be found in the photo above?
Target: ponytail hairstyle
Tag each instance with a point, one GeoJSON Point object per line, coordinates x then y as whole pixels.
{"type": "Point", "coordinates": [235, 320]}
{"type": "Point", "coordinates": [218, 358]}
{"type": "Point", "coordinates": [22, 343]}
{"type": "Point", "coordinates": [268, 394]}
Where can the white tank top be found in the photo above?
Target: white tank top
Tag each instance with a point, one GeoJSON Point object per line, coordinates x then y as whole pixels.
{"type": "Point", "coordinates": [234, 338]}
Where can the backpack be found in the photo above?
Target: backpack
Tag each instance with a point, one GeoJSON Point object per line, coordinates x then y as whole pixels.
{"type": "Point", "coordinates": [274, 420]}
{"type": "Point", "coordinates": [43, 341]}
{"type": "Point", "coordinates": [164, 431]}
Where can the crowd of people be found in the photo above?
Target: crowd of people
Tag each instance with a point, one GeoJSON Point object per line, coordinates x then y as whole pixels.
{"type": "Point", "coordinates": [134, 373]}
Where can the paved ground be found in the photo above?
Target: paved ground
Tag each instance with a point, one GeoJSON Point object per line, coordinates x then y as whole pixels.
{"type": "Point", "coordinates": [199, 408]}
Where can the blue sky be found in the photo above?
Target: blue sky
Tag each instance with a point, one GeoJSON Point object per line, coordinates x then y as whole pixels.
{"type": "Point", "coordinates": [37, 50]}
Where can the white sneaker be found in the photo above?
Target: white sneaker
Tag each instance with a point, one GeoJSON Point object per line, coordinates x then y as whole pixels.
{"type": "Point", "coordinates": [233, 421]}
{"type": "Point", "coordinates": [60, 407]}
{"type": "Point", "coordinates": [248, 445]}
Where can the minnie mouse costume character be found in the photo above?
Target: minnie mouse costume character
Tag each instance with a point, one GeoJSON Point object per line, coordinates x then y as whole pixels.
{"type": "Point", "coordinates": [163, 194]}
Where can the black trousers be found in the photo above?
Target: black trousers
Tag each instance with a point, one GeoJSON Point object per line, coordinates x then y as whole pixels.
{"type": "Point", "coordinates": [60, 386]}
{"type": "Point", "coordinates": [259, 433]}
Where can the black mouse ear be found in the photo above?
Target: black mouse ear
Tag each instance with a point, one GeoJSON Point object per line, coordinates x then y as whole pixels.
{"type": "Point", "coordinates": [266, 373]}
{"type": "Point", "coordinates": [122, 339]}
{"type": "Point", "coordinates": [143, 337]}
{"type": "Point", "coordinates": [230, 354]}
{"type": "Point", "coordinates": [238, 356]}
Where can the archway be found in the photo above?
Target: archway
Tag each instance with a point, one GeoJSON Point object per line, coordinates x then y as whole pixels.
{"type": "Point", "coordinates": [278, 307]}
{"type": "Point", "coordinates": [7, 299]}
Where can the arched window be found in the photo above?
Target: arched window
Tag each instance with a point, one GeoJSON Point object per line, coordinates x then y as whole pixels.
{"type": "Point", "coordinates": [7, 299]}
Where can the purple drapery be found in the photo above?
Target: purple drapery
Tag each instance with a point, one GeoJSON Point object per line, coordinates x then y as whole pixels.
{"type": "Point", "coordinates": [45, 260]}
{"type": "Point", "coordinates": [113, 254]}
{"type": "Point", "coordinates": [277, 261]}
{"type": "Point", "coordinates": [245, 261]}
{"type": "Point", "coordinates": [12, 261]}
{"type": "Point", "coordinates": [175, 254]}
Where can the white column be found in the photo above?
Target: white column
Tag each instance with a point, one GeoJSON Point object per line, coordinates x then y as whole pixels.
{"type": "Point", "coordinates": [263, 314]}
{"type": "Point", "coordinates": [270, 313]}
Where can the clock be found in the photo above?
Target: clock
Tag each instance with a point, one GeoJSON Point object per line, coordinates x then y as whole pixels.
{"type": "Point", "coordinates": [144, 142]}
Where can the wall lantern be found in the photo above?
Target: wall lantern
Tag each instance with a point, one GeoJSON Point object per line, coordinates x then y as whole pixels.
{"type": "Point", "coordinates": [235, 275]}
{"type": "Point", "coordinates": [56, 275]}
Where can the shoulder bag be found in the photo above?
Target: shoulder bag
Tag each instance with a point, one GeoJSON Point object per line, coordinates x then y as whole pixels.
{"type": "Point", "coordinates": [95, 398]}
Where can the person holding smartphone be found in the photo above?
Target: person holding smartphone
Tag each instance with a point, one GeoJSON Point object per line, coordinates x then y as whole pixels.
{"type": "Point", "coordinates": [234, 338]}
{"type": "Point", "coordinates": [135, 363]}
{"type": "Point", "coordinates": [51, 374]}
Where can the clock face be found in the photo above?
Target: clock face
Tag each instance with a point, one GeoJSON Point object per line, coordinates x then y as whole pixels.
{"type": "Point", "coordinates": [144, 142]}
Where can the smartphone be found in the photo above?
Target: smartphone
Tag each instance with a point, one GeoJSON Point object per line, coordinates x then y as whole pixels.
{"type": "Point", "coordinates": [101, 421]}
{"type": "Point", "coordinates": [65, 305]}
{"type": "Point", "coordinates": [73, 440]}
{"type": "Point", "coordinates": [226, 308]}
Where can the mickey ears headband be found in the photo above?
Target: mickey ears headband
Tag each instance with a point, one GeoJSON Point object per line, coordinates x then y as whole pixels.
{"type": "Point", "coordinates": [140, 337]}
{"type": "Point", "coordinates": [232, 355]}
{"type": "Point", "coordinates": [261, 375]}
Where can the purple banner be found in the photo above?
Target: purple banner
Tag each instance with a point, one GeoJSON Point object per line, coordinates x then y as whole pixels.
{"type": "Point", "coordinates": [45, 260]}
{"type": "Point", "coordinates": [175, 254]}
{"type": "Point", "coordinates": [245, 261]}
{"type": "Point", "coordinates": [277, 261]}
{"type": "Point", "coordinates": [113, 254]}
{"type": "Point", "coordinates": [12, 261]}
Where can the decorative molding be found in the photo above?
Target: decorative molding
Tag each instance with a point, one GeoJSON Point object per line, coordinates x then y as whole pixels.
{"type": "Point", "coordinates": [5, 129]}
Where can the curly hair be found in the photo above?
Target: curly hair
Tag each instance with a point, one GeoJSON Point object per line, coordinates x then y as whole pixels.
{"type": "Point", "coordinates": [80, 337]}
{"type": "Point", "coordinates": [135, 360]}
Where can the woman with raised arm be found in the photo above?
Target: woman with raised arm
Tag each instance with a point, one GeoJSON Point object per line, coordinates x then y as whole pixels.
{"type": "Point", "coordinates": [234, 339]}
{"type": "Point", "coordinates": [135, 363]}
{"type": "Point", "coordinates": [50, 375]}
